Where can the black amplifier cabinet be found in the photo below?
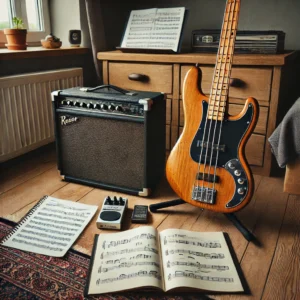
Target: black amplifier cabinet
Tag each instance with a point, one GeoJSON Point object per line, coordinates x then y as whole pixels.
{"type": "Point", "coordinates": [110, 138]}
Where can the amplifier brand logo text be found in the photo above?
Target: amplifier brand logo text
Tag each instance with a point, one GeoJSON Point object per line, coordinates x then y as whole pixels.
{"type": "Point", "coordinates": [65, 120]}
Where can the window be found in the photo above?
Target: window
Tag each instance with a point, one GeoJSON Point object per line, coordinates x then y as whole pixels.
{"type": "Point", "coordinates": [35, 16]}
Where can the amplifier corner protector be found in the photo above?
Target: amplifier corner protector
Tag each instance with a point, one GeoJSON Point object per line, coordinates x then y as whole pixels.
{"type": "Point", "coordinates": [146, 192]}
{"type": "Point", "coordinates": [60, 175]}
{"type": "Point", "coordinates": [55, 94]}
{"type": "Point", "coordinates": [147, 102]}
{"type": "Point", "coordinates": [165, 96]}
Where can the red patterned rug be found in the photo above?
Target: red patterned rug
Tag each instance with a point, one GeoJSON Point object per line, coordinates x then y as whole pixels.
{"type": "Point", "coordinates": [25, 275]}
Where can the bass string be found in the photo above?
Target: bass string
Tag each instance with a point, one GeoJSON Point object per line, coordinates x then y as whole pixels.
{"type": "Point", "coordinates": [230, 39]}
{"type": "Point", "coordinates": [211, 120]}
{"type": "Point", "coordinates": [228, 76]}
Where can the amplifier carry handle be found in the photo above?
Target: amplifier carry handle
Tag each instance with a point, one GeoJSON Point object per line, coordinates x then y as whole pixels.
{"type": "Point", "coordinates": [125, 92]}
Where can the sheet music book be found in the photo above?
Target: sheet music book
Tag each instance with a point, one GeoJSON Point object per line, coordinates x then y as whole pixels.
{"type": "Point", "coordinates": [50, 227]}
{"type": "Point", "coordinates": [143, 258]}
{"type": "Point", "coordinates": [155, 28]}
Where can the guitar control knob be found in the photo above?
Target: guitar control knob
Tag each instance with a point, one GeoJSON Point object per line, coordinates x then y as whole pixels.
{"type": "Point", "coordinates": [111, 107]}
{"type": "Point", "coordinates": [119, 108]}
{"type": "Point", "coordinates": [237, 172]}
{"type": "Point", "coordinates": [231, 165]}
{"type": "Point", "coordinates": [104, 106]}
{"type": "Point", "coordinates": [116, 200]}
{"type": "Point", "coordinates": [241, 191]}
{"type": "Point", "coordinates": [241, 180]}
{"type": "Point", "coordinates": [108, 200]}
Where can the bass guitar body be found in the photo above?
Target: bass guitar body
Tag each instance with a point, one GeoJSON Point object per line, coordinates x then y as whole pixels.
{"type": "Point", "coordinates": [207, 166]}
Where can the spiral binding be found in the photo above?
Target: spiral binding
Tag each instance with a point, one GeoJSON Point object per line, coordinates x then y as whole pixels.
{"type": "Point", "coordinates": [24, 219]}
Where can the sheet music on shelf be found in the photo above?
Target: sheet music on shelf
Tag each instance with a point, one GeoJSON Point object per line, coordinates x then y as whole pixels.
{"type": "Point", "coordinates": [50, 227]}
{"type": "Point", "coordinates": [155, 28]}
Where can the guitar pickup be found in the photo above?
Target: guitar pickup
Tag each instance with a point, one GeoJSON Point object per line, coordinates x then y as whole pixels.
{"type": "Point", "coordinates": [216, 147]}
{"type": "Point", "coordinates": [207, 177]}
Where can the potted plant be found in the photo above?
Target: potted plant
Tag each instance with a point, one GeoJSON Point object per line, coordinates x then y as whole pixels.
{"type": "Point", "coordinates": [16, 36]}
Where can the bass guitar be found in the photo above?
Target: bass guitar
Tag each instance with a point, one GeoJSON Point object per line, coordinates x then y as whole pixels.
{"type": "Point", "coordinates": [207, 167]}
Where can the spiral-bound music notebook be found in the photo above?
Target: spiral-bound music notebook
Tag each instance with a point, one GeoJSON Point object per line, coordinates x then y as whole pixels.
{"type": "Point", "coordinates": [50, 227]}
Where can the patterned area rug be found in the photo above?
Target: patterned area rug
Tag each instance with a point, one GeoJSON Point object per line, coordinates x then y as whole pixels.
{"type": "Point", "coordinates": [25, 275]}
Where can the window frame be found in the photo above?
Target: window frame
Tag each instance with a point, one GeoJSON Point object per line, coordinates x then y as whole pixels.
{"type": "Point", "coordinates": [18, 8]}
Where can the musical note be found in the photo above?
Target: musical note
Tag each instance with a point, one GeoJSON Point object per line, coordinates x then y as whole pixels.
{"type": "Point", "coordinates": [201, 254]}
{"type": "Point", "coordinates": [197, 265]}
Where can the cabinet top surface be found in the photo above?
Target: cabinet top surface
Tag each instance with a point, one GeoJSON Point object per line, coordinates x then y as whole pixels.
{"type": "Point", "coordinates": [201, 58]}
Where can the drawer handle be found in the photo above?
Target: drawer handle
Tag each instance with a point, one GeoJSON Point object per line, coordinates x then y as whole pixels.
{"type": "Point", "coordinates": [138, 77]}
{"type": "Point", "coordinates": [235, 82]}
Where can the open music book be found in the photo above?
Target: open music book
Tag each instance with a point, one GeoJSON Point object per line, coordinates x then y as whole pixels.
{"type": "Point", "coordinates": [50, 227]}
{"type": "Point", "coordinates": [174, 258]}
{"type": "Point", "coordinates": [156, 28]}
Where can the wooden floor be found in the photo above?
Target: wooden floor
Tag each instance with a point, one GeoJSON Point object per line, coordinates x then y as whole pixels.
{"type": "Point", "coordinates": [272, 270]}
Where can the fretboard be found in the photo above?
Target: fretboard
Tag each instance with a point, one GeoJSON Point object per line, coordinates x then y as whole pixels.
{"type": "Point", "coordinates": [221, 78]}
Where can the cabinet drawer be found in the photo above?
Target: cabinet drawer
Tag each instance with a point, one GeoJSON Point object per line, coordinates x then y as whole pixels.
{"type": "Point", "coordinates": [158, 77]}
{"type": "Point", "coordinates": [254, 149]}
{"type": "Point", "coordinates": [256, 82]}
{"type": "Point", "coordinates": [235, 109]}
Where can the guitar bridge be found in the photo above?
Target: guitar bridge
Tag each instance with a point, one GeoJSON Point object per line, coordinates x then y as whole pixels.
{"type": "Point", "coordinates": [204, 194]}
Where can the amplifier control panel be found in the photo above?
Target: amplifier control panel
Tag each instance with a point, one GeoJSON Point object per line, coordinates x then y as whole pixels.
{"type": "Point", "coordinates": [123, 108]}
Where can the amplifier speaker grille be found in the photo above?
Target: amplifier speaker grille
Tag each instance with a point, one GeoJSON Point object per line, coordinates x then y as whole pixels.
{"type": "Point", "coordinates": [108, 151]}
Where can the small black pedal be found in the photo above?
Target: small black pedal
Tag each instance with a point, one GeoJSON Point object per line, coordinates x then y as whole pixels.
{"type": "Point", "coordinates": [140, 214]}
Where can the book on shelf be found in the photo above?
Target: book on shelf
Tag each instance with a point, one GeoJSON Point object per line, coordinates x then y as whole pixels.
{"type": "Point", "coordinates": [50, 227]}
{"type": "Point", "coordinates": [154, 30]}
{"type": "Point", "coordinates": [172, 259]}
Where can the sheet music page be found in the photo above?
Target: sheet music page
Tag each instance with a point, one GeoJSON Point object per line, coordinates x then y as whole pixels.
{"type": "Point", "coordinates": [126, 260]}
{"type": "Point", "coordinates": [198, 260]}
{"type": "Point", "coordinates": [52, 228]}
{"type": "Point", "coordinates": [155, 28]}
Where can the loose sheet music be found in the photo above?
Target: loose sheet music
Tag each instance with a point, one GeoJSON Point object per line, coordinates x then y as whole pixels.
{"type": "Point", "coordinates": [51, 227]}
{"type": "Point", "coordinates": [156, 28]}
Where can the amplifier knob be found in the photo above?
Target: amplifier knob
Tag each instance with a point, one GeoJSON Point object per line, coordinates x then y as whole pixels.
{"type": "Point", "coordinates": [82, 104]}
{"type": "Point", "coordinates": [111, 107]}
{"type": "Point", "coordinates": [104, 106]}
{"type": "Point", "coordinates": [76, 103]}
{"type": "Point", "coordinates": [89, 105]}
{"type": "Point", "coordinates": [69, 103]}
{"type": "Point", "coordinates": [119, 108]}
{"type": "Point", "coordinates": [97, 106]}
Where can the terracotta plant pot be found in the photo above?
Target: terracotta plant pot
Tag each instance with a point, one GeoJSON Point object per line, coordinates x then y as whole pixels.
{"type": "Point", "coordinates": [16, 39]}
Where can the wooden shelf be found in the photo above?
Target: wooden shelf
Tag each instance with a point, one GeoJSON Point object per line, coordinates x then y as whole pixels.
{"type": "Point", "coordinates": [34, 52]}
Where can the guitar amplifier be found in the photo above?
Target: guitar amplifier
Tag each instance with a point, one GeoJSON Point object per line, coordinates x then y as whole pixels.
{"type": "Point", "coordinates": [110, 138]}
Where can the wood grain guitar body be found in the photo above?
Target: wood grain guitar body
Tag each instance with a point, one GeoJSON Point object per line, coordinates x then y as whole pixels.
{"type": "Point", "coordinates": [219, 178]}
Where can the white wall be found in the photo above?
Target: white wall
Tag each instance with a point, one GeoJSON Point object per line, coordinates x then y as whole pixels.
{"type": "Point", "coordinates": [65, 15]}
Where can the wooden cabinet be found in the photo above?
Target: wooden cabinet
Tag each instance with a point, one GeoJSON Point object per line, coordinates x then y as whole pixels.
{"type": "Point", "coordinates": [268, 78]}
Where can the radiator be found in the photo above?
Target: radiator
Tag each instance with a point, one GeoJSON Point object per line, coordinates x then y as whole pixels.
{"type": "Point", "coordinates": [26, 120]}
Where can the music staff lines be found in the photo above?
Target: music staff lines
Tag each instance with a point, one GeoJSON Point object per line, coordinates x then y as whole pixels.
{"type": "Point", "coordinates": [142, 236]}
{"type": "Point", "coordinates": [138, 256]}
{"type": "Point", "coordinates": [197, 265]}
{"type": "Point", "coordinates": [53, 226]}
{"type": "Point", "coordinates": [54, 204]}
{"type": "Point", "coordinates": [179, 274]}
{"type": "Point", "coordinates": [128, 265]}
{"type": "Point", "coordinates": [44, 235]}
{"type": "Point", "coordinates": [32, 238]}
{"type": "Point", "coordinates": [60, 217]}
{"type": "Point", "coordinates": [146, 248]}
{"type": "Point", "coordinates": [196, 253]}
{"type": "Point", "coordinates": [37, 245]}
{"type": "Point", "coordinates": [128, 276]}
{"type": "Point", "coordinates": [69, 214]}
{"type": "Point", "coordinates": [49, 230]}
{"type": "Point", "coordinates": [56, 221]}
{"type": "Point", "coordinates": [186, 242]}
